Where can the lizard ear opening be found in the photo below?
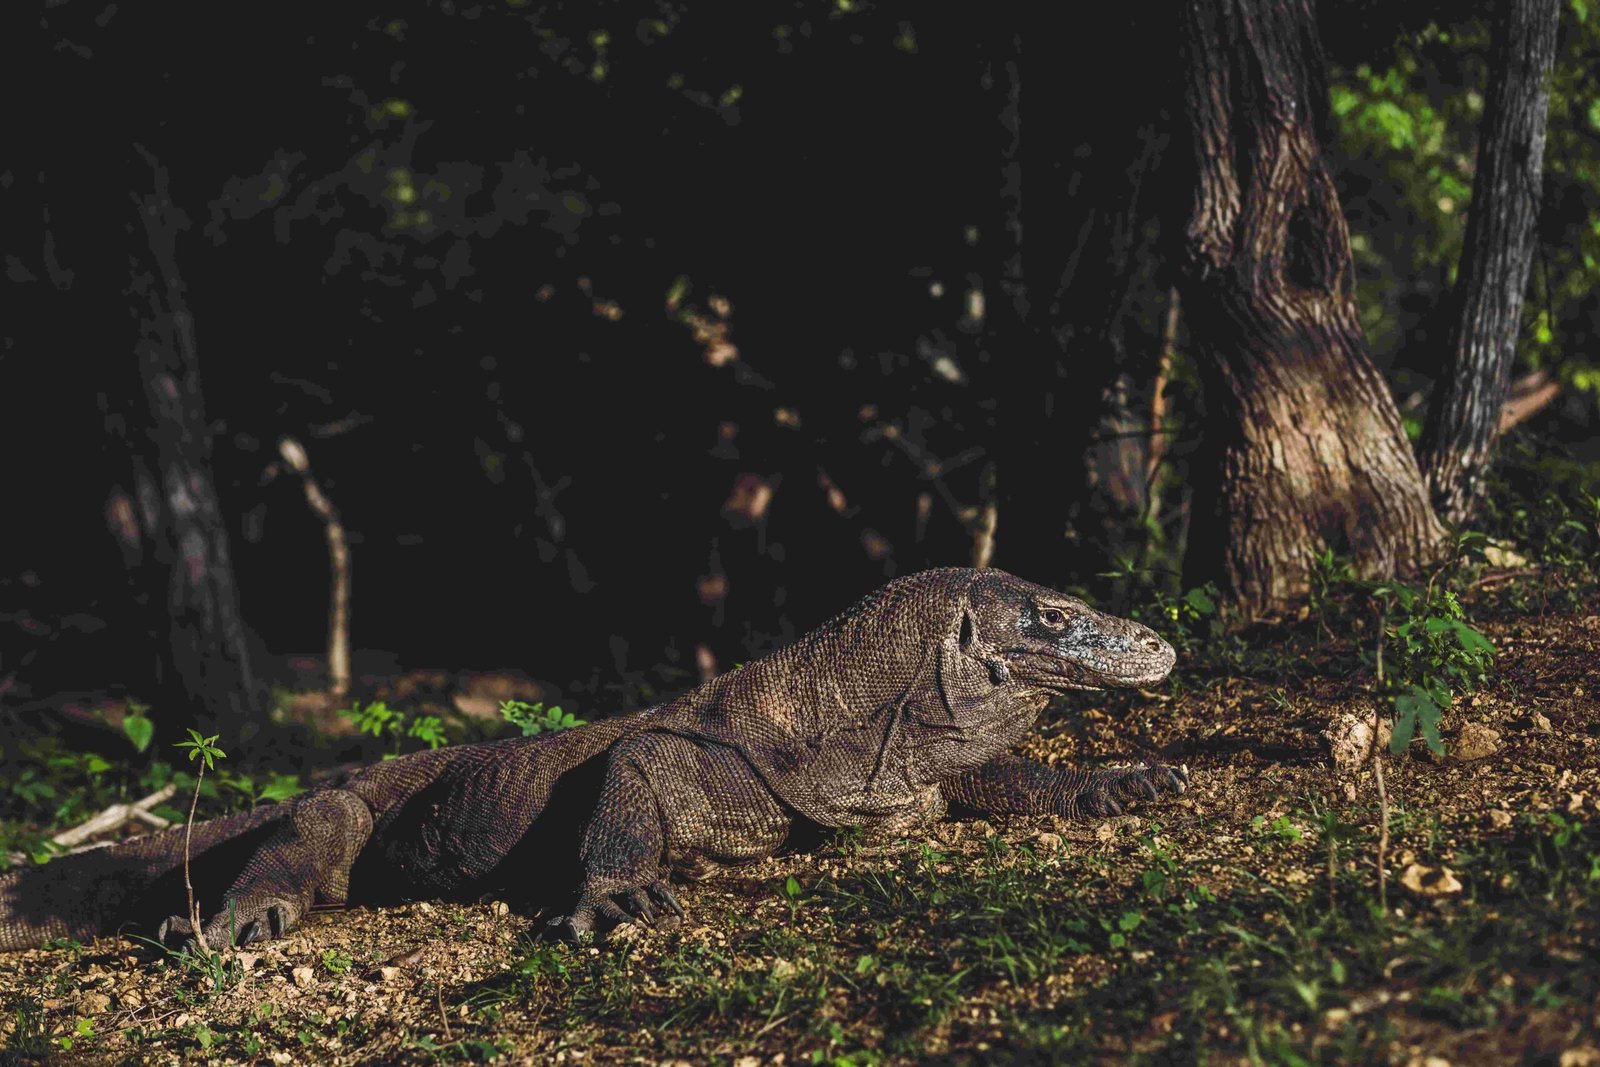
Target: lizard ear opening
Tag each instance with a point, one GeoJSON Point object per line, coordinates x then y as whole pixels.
{"type": "Point", "coordinates": [969, 631]}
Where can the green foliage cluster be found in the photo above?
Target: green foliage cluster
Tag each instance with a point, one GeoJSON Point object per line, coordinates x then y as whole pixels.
{"type": "Point", "coordinates": [383, 722]}
{"type": "Point", "coordinates": [532, 719]}
{"type": "Point", "coordinates": [1435, 653]}
{"type": "Point", "coordinates": [1408, 125]}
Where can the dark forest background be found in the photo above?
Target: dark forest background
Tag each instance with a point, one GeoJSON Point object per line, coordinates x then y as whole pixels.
{"type": "Point", "coordinates": [631, 339]}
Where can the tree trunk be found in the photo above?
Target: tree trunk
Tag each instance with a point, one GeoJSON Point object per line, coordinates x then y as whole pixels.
{"type": "Point", "coordinates": [1304, 448]}
{"type": "Point", "coordinates": [182, 575]}
{"type": "Point", "coordinates": [1061, 386]}
{"type": "Point", "coordinates": [1464, 419]}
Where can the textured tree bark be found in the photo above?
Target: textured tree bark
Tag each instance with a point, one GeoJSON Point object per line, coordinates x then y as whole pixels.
{"type": "Point", "coordinates": [184, 575]}
{"type": "Point", "coordinates": [1463, 422]}
{"type": "Point", "coordinates": [1304, 449]}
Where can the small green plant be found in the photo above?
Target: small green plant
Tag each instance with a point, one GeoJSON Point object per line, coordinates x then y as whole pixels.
{"type": "Point", "coordinates": [533, 719]}
{"type": "Point", "coordinates": [381, 721]}
{"type": "Point", "coordinates": [337, 962]}
{"type": "Point", "coordinates": [1280, 830]}
{"type": "Point", "coordinates": [1433, 653]}
{"type": "Point", "coordinates": [30, 1035]}
{"type": "Point", "coordinates": [203, 752]}
{"type": "Point", "coordinates": [137, 727]}
{"type": "Point", "coordinates": [791, 891]}
{"type": "Point", "coordinates": [428, 729]}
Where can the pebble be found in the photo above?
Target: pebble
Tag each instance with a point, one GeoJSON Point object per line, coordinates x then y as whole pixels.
{"type": "Point", "coordinates": [1474, 742]}
{"type": "Point", "coordinates": [304, 977]}
{"type": "Point", "coordinates": [1430, 881]}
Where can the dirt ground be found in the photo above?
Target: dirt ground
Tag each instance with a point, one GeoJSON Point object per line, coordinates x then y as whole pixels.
{"type": "Point", "coordinates": [1238, 924]}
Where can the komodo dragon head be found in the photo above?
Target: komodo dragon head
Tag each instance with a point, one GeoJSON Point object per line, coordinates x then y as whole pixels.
{"type": "Point", "coordinates": [1054, 642]}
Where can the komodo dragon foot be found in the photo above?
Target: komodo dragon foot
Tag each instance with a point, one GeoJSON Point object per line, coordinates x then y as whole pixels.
{"type": "Point", "coordinates": [1107, 792]}
{"type": "Point", "coordinates": [242, 923]}
{"type": "Point", "coordinates": [636, 905]}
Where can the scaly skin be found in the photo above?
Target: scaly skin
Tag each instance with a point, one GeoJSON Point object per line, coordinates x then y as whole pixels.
{"type": "Point", "coordinates": [882, 717]}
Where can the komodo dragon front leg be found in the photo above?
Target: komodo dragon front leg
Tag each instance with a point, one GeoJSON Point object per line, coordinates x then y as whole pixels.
{"type": "Point", "coordinates": [307, 859]}
{"type": "Point", "coordinates": [669, 802]}
{"type": "Point", "coordinates": [1011, 785]}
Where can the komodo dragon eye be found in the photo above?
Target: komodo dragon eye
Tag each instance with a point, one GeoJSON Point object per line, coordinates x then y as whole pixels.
{"type": "Point", "coordinates": [1052, 617]}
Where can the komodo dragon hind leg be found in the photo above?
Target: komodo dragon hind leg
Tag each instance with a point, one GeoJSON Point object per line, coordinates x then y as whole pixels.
{"type": "Point", "coordinates": [307, 859]}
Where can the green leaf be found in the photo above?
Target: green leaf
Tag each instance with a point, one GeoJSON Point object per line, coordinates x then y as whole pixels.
{"type": "Point", "coordinates": [282, 787]}
{"type": "Point", "coordinates": [140, 730]}
{"type": "Point", "coordinates": [1200, 602]}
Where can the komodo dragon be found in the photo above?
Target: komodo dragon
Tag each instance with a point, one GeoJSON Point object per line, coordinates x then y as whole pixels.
{"type": "Point", "coordinates": [882, 717]}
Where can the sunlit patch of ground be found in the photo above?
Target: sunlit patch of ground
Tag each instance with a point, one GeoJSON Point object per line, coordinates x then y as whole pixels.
{"type": "Point", "coordinates": [1239, 923]}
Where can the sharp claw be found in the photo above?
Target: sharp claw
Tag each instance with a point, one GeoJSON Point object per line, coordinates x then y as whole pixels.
{"type": "Point", "coordinates": [641, 907]}
{"type": "Point", "coordinates": [665, 896]}
{"type": "Point", "coordinates": [1146, 787]}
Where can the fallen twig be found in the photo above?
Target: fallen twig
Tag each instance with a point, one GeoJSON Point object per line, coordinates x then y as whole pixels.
{"type": "Point", "coordinates": [110, 819]}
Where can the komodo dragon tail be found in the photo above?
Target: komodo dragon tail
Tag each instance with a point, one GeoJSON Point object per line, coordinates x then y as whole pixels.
{"type": "Point", "coordinates": [93, 892]}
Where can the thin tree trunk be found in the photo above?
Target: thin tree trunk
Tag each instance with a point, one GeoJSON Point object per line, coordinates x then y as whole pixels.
{"type": "Point", "coordinates": [1464, 419]}
{"type": "Point", "coordinates": [184, 574]}
{"type": "Point", "coordinates": [1304, 449]}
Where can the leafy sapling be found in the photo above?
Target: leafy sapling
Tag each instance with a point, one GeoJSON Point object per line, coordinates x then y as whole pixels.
{"type": "Point", "coordinates": [204, 752]}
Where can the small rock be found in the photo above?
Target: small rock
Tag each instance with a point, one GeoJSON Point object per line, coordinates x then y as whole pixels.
{"type": "Point", "coordinates": [747, 1061]}
{"type": "Point", "coordinates": [304, 977]}
{"type": "Point", "coordinates": [388, 974]}
{"type": "Point", "coordinates": [1499, 818]}
{"type": "Point", "coordinates": [1349, 738]}
{"type": "Point", "coordinates": [499, 909]}
{"type": "Point", "coordinates": [93, 1003]}
{"type": "Point", "coordinates": [1473, 742]}
{"type": "Point", "coordinates": [1575, 803]}
{"type": "Point", "coordinates": [1581, 1056]}
{"type": "Point", "coordinates": [1048, 843]}
{"type": "Point", "coordinates": [1541, 723]}
{"type": "Point", "coordinates": [1430, 881]}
